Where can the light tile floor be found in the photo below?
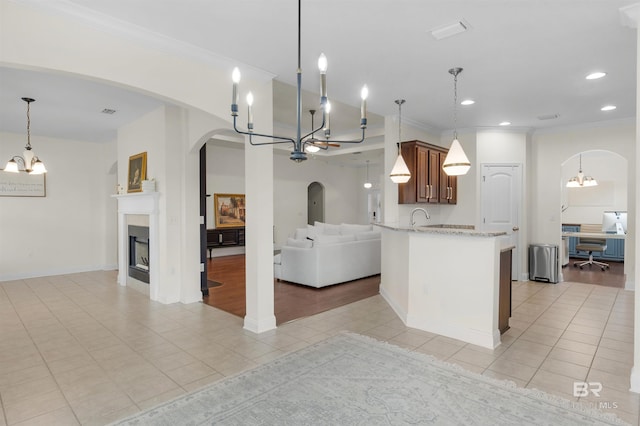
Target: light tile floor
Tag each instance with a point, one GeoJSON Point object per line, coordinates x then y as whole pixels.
{"type": "Point", "coordinates": [79, 349]}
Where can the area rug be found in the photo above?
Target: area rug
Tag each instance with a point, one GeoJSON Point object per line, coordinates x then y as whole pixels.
{"type": "Point", "coordinates": [355, 380]}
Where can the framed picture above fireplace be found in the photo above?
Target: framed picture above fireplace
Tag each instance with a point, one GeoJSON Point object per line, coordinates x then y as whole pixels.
{"type": "Point", "coordinates": [137, 172]}
{"type": "Point", "coordinates": [229, 210]}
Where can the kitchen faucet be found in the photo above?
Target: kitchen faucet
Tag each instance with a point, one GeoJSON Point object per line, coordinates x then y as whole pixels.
{"type": "Point", "coordinates": [413, 222]}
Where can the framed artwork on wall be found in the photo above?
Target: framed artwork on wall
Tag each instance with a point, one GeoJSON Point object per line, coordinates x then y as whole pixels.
{"type": "Point", "coordinates": [229, 210]}
{"type": "Point", "coordinates": [137, 172]}
{"type": "Point", "coordinates": [22, 184]}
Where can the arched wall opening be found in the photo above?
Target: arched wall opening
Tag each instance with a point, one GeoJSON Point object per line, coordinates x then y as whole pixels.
{"type": "Point", "coordinates": [585, 205]}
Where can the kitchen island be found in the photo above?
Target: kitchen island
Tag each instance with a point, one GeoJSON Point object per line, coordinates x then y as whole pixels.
{"type": "Point", "coordinates": [445, 279]}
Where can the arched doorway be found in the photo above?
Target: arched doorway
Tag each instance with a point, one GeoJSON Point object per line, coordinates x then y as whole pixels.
{"type": "Point", "coordinates": [585, 205]}
{"type": "Point", "coordinates": [315, 203]}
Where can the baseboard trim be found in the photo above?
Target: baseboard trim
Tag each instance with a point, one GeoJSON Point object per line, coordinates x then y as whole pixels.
{"type": "Point", "coordinates": [260, 325]}
{"type": "Point", "coordinates": [54, 272]}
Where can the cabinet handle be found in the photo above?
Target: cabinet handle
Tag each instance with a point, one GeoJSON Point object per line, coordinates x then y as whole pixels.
{"type": "Point", "coordinates": [430, 191]}
{"type": "Point", "coordinates": [220, 238]}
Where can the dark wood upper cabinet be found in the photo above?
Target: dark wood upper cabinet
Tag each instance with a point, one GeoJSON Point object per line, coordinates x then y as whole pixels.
{"type": "Point", "coordinates": [428, 182]}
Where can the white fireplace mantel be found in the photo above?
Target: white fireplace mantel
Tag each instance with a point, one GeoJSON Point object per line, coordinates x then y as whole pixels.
{"type": "Point", "coordinates": [141, 203]}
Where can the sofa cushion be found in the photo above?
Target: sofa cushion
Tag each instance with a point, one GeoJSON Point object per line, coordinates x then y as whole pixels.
{"type": "Point", "coordinates": [323, 239]}
{"type": "Point", "coordinates": [369, 235]}
{"type": "Point", "coordinates": [292, 242]}
{"type": "Point", "coordinates": [327, 228]}
{"type": "Point", "coordinates": [349, 229]}
{"type": "Point", "coordinates": [313, 232]}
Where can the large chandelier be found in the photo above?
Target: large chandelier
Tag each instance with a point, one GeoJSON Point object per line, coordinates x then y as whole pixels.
{"type": "Point", "coordinates": [301, 141]}
{"type": "Point", "coordinates": [456, 162]}
{"type": "Point", "coordinates": [28, 161]}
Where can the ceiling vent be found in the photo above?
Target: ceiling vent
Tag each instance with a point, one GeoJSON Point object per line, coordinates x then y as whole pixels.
{"type": "Point", "coordinates": [548, 116]}
{"type": "Point", "coordinates": [449, 30]}
{"type": "Point", "coordinates": [108, 111]}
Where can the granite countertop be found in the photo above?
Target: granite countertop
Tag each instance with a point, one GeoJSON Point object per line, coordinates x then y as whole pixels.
{"type": "Point", "coordinates": [464, 230]}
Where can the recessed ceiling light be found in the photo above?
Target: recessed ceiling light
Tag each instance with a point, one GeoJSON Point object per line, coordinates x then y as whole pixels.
{"type": "Point", "coordinates": [468, 102]}
{"type": "Point", "coordinates": [596, 75]}
{"type": "Point", "coordinates": [608, 108]}
{"type": "Point", "coordinates": [505, 123]}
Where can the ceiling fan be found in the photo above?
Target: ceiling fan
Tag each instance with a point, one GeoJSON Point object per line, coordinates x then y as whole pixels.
{"type": "Point", "coordinates": [315, 145]}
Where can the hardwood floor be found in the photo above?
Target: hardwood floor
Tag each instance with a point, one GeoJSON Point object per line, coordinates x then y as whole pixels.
{"type": "Point", "coordinates": [612, 277]}
{"type": "Point", "coordinates": [291, 301]}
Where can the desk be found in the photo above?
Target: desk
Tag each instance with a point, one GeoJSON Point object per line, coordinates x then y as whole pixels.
{"type": "Point", "coordinates": [595, 235]}
{"type": "Point", "coordinates": [615, 245]}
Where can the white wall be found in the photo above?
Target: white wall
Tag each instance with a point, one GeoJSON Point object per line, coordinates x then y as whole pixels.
{"type": "Point", "coordinates": [345, 197]}
{"type": "Point", "coordinates": [586, 204]}
{"type": "Point", "coordinates": [72, 229]}
{"type": "Point", "coordinates": [549, 150]}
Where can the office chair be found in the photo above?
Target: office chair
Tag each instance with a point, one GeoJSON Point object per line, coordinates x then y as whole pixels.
{"type": "Point", "coordinates": [591, 245]}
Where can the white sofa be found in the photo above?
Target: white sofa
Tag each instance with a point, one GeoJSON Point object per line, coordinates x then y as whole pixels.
{"type": "Point", "coordinates": [326, 254]}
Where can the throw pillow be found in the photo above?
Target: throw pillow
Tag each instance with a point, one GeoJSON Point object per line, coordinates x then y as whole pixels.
{"type": "Point", "coordinates": [313, 232]}
{"type": "Point", "coordinates": [327, 228]}
{"type": "Point", "coordinates": [301, 234]}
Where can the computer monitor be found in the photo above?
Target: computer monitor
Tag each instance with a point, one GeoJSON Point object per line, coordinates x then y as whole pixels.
{"type": "Point", "coordinates": [614, 222]}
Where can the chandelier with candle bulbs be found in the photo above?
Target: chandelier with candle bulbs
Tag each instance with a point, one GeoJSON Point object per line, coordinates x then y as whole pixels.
{"type": "Point", "coordinates": [300, 142]}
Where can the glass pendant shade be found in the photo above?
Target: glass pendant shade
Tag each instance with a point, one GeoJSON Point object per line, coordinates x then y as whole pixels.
{"type": "Point", "coordinates": [400, 172]}
{"type": "Point", "coordinates": [11, 166]}
{"type": "Point", "coordinates": [38, 168]}
{"type": "Point", "coordinates": [311, 148]}
{"type": "Point", "coordinates": [456, 163]}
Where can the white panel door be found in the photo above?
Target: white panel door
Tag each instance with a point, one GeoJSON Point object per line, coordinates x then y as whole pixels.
{"type": "Point", "coordinates": [500, 198]}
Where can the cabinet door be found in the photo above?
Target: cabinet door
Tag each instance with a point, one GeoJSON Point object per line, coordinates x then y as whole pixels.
{"type": "Point", "coordinates": [434, 177]}
{"type": "Point", "coordinates": [572, 240]}
{"type": "Point", "coordinates": [448, 184]}
{"type": "Point", "coordinates": [453, 189]}
{"type": "Point", "coordinates": [229, 237]}
{"type": "Point", "coordinates": [423, 191]}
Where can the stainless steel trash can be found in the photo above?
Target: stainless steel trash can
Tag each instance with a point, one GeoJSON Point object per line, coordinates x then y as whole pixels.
{"type": "Point", "coordinates": [543, 262]}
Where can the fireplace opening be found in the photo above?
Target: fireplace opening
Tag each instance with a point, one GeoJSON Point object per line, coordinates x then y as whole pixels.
{"type": "Point", "coordinates": [139, 253]}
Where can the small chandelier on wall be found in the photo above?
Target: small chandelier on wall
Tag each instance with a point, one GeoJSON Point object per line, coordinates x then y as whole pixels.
{"type": "Point", "coordinates": [580, 180]}
{"type": "Point", "coordinates": [29, 161]}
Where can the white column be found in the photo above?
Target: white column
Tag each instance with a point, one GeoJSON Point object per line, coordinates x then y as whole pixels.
{"type": "Point", "coordinates": [630, 16]}
{"type": "Point", "coordinates": [259, 221]}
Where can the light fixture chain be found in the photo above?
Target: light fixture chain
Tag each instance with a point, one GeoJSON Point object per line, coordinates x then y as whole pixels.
{"type": "Point", "coordinates": [455, 105]}
{"type": "Point", "coordinates": [399, 102]}
{"type": "Point", "coordinates": [28, 126]}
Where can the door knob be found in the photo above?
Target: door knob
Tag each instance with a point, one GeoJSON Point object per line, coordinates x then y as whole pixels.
{"type": "Point", "coordinates": [515, 228]}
